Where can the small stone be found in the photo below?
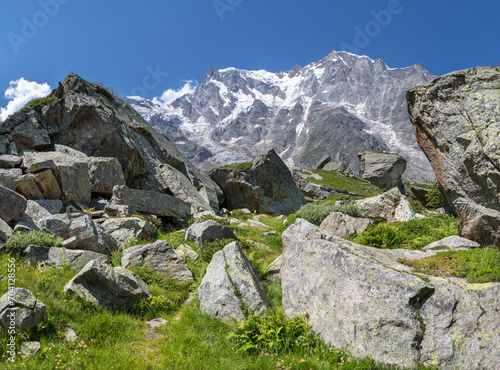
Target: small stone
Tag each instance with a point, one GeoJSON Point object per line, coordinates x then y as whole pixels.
{"type": "Point", "coordinates": [70, 335]}
{"type": "Point", "coordinates": [30, 348]}
{"type": "Point", "coordinates": [156, 323]}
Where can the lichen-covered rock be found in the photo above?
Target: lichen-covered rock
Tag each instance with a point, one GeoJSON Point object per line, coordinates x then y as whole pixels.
{"type": "Point", "coordinates": [231, 280]}
{"type": "Point", "coordinates": [105, 173]}
{"type": "Point", "coordinates": [27, 310]}
{"type": "Point", "coordinates": [127, 229]}
{"type": "Point", "coordinates": [266, 187]}
{"type": "Point", "coordinates": [185, 252]}
{"type": "Point", "coordinates": [10, 161]}
{"type": "Point", "coordinates": [457, 124]}
{"type": "Point", "coordinates": [391, 206]}
{"type": "Point", "coordinates": [382, 169]}
{"type": "Point", "coordinates": [343, 225]}
{"type": "Point", "coordinates": [75, 258]}
{"type": "Point", "coordinates": [206, 232]}
{"type": "Point", "coordinates": [453, 243]}
{"type": "Point", "coordinates": [90, 235]}
{"type": "Point", "coordinates": [274, 269]}
{"type": "Point", "coordinates": [12, 205]}
{"type": "Point", "coordinates": [478, 223]}
{"type": "Point", "coordinates": [360, 298]}
{"type": "Point", "coordinates": [157, 257]}
{"type": "Point", "coordinates": [42, 208]}
{"type": "Point", "coordinates": [9, 176]}
{"type": "Point", "coordinates": [113, 287]}
{"type": "Point", "coordinates": [151, 202]}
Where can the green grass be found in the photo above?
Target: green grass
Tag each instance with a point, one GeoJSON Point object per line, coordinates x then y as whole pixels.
{"type": "Point", "coordinates": [481, 265]}
{"type": "Point", "coordinates": [316, 212]}
{"type": "Point", "coordinates": [337, 181]}
{"type": "Point", "coordinates": [414, 234]}
{"type": "Point", "coordinates": [245, 166]}
{"type": "Point", "coordinates": [39, 103]}
{"type": "Point", "coordinates": [20, 240]}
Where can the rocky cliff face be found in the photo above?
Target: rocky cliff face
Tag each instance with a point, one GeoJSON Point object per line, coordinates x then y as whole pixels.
{"type": "Point", "coordinates": [339, 106]}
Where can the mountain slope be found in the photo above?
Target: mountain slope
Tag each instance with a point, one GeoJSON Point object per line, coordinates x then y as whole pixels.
{"type": "Point", "coordinates": [340, 105]}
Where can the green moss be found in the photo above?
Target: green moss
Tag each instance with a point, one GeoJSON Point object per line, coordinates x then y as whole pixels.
{"type": "Point", "coordinates": [245, 166]}
{"type": "Point", "coordinates": [342, 183]}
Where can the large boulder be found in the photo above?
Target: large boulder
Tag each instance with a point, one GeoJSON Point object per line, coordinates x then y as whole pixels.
{"type": "Point", "coordinates": [112, 287]}
{"type": "Point", "coordinates": [150, 202]}
{"type": "Point", "coordinates": [12, 205]}
{"type": "Point", "coordinates": [478, 223]}
{"type": "Point", "coordinates": [382, 169]}
{"type": "Point", "coordinates": [391, 206]}
{"type": "Point", "coordinates": [90, 236]}
{"type": "Point", "coordinates": [230, 282]}
{"type": "Point", "coordinates": [206, 232]}
{"type": "Point", "coordinates": [360, 298]}
{"type": "Point", "coordinates": [76, 259]}
{"type": "Point", "coordinates": [105, 173]}
{"type": "Point", "coordinates": [266, 186]}
{"type": "Point", "coordinates": [27, 312]}
{"type": "Point", "coordinates": [343, 225]}
{"type": "Point", "coordinates": [157, 257]}
{"type": "Point", "coordinates": [127, 229]}
{"type": "Point", "coordinates": [453, 243]}
{"type": "Point", "coordinates": [71, 172]}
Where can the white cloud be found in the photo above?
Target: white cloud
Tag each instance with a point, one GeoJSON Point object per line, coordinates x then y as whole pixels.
{"type": "Point", "coordinates": [19, 93]}
{"type": "Point", "coordinates": [170, 95]}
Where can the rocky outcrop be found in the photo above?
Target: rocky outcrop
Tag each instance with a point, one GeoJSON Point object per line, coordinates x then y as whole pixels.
{"type": "Point", "coordinates": [151, 202]}
{"type": "Point", "coordinates": [390, 206]}
{"type": "Point", "coordinates": [478, 223]}
{"type": "Point", "coordinates": [27, 310]}
{"type": "Point", "coordinates": [128, 229]}
{"type": "Point", "coordinates": [230, 281]}
{"type": "Point", "coordinates": [266, 186]}
{"type": "Point", "coordinates": [112, 287]}
{"type": "Point", "coordinates": [382, 169]}
{"type": "Point", "coordinates": [343, 225]}
{"type": "Point", "coordinates": [105, 173]}
{"type": "Point", "coordinates": [12, 205]}
{"type": "Point", "coordinates": [362, 299]}
{"type": "Point", "coordinates": [157, 257]}
{"type": "Point", "coordinates": [206, 232]}
{"type": "Point", "coordinates": [90, 236]}
{"type": "Point", "coordinates": [309, 189]}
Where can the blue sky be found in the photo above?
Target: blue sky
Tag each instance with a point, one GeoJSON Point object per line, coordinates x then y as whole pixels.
{"type": "Point", "coordinates": [152, 46]}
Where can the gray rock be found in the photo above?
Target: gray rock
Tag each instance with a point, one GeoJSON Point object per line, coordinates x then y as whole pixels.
{"type": "Point", "coordinates": [151, 202]}
{"type": "Point", "coordinates": [10, 161]}
{"type": "Point", "coordinates": [90, 236]}
{"type": "Point", "coordinates": [231, 280]}
{"type": "Point", "coordinates": [71, 172]}
{"type": "Point", "coordinates": [274, 269]}
{"type": "Point", "coordinates": [478, 223]}
{"type": "Point", "coordinates": [270, 233]}
{"type": "Point", "coordinates": [47, 183]}
{"type": "Point", "coordinates": [112, 287]}
{"type": "Point", "coordinates": [310, 189]}
{"type": "Point", "coordinates": [60, 257]}
{"type": "Point", "coordinates": [28, 311]}
{"type": "Point", "coordinates": [105, 173]}
{"type": "Point", "coordinates": [70, 335]}
{"type": "Point", "coordinates": [157, 257]}
{"type": "Point", "coordinates": [12, 205]}
{"type": "Point", "coordinates": [391, 206]}
{"type": "Point", "coordinates": [382, 169]}
{"type": "Point", "coordinates": [8, 177]}
{"type": "Point", "coordinates": [156, 323]}
{"type": "Point", "coordinates": [457, 125]}
{"type": "Point", "coordinates": [207, 232]}
{"type": "Point", "coordinates": [360, 298]}
{"type": "Point", "coordinates": [323, 162]}
{"type": "Point", "coordinates": [116, 210]}
{"type": "Point", "coordinates": [126, 230]}
{"type": "Point", "coordinates": [30, 348]}
{"type": "Point", "coordinates": [452, 243]}
{"type": "Point", "coordinates": [267, 187]}
{"type": "Point", "coordinates": [26, 185]}
{"type": "Point", "coordinates": [25, 131]}
{"type": "Point", "coordinates": [5, 231]}
{"type": "Point", "coordinates": [185, 252]}
{"type": "Point", "coordinates": [42, 208]}
{"type": "Point", "coordinates": [343, 225]}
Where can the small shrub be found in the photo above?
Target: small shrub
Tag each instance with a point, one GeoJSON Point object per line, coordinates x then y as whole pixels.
{"type": "Point", "coordinates": [206, 253]}
{"type": "Point", "coordinates": [243, 167]}
{"type": "Point", "coordinates": [39, 103]}
{"type": "Point", "coordinates": [434, 197]}
{"type": "Point", "coordinates": [315, 213]}
{"type": "Point", "coordinates": [222, 221]}
{"type": "Point", "coordinates": [19, 241]}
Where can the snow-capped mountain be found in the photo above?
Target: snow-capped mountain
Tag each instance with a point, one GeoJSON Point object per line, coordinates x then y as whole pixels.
{"type": "Point", "coordinates": [340, 105]}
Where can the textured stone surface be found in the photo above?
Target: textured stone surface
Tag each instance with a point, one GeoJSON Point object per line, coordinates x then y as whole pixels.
{"type": "Point", "coordinates": [457, 123]}
{"type": "Point", "coordinates": [274, 269]}
{"type": "Point", "coordinates": [382, 169]}
{"type": "Point", "coordinates": [71, 172]}
{"type": "Point", "coordinates": [29, 312]}
{"type": "Point", "coordinates": [360, 298]}
{"type": "Point", "coordinates": [391, 206]}
{"type": "Point", "coordinates": [157, 257]}
{"type": "Point", "coordinates": [128, 229]}
{"type": "Point", "coordinates": [478, 223]}
{"type": "Point", "coordinates": [30, 348]}
{"type": "Point", "coordinates": [185, 252]}
{"type": "Point", "coordinates": [5, 231]}
{"type": "Point", "coordinates": [105, 173]}
{"type": "Point", "coordinates": [151, 202]}
{"type": "Point", "coordinates": [112, 287]}
{"type": "Point", "coordinates": [90, 235]}
{"type": "Point", "coordinates": [452, 243]}
{"type": "Point", "coordinates": [343, 225]}
{"type": "Point", "coordinates": [75, 258]}
{"type": "Point", "coordinates": [206, 232]}
{"type": "Point", "coordinates": [26, 185]}
{"type": "Point", "coordinates": [12, 205]}
{"type": "Point", "coordinates": [309, 189]}
{"type": "Point", "coordinates": [8, 177]}
{"type": "Point", "coordinates": [231, 280]}
{"type": "Point", "coordinates": [10, 161]}
{"type": "Point", "coordinates": [267, 187]}
{"type": "Point", "coordinates": [38, 209]}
